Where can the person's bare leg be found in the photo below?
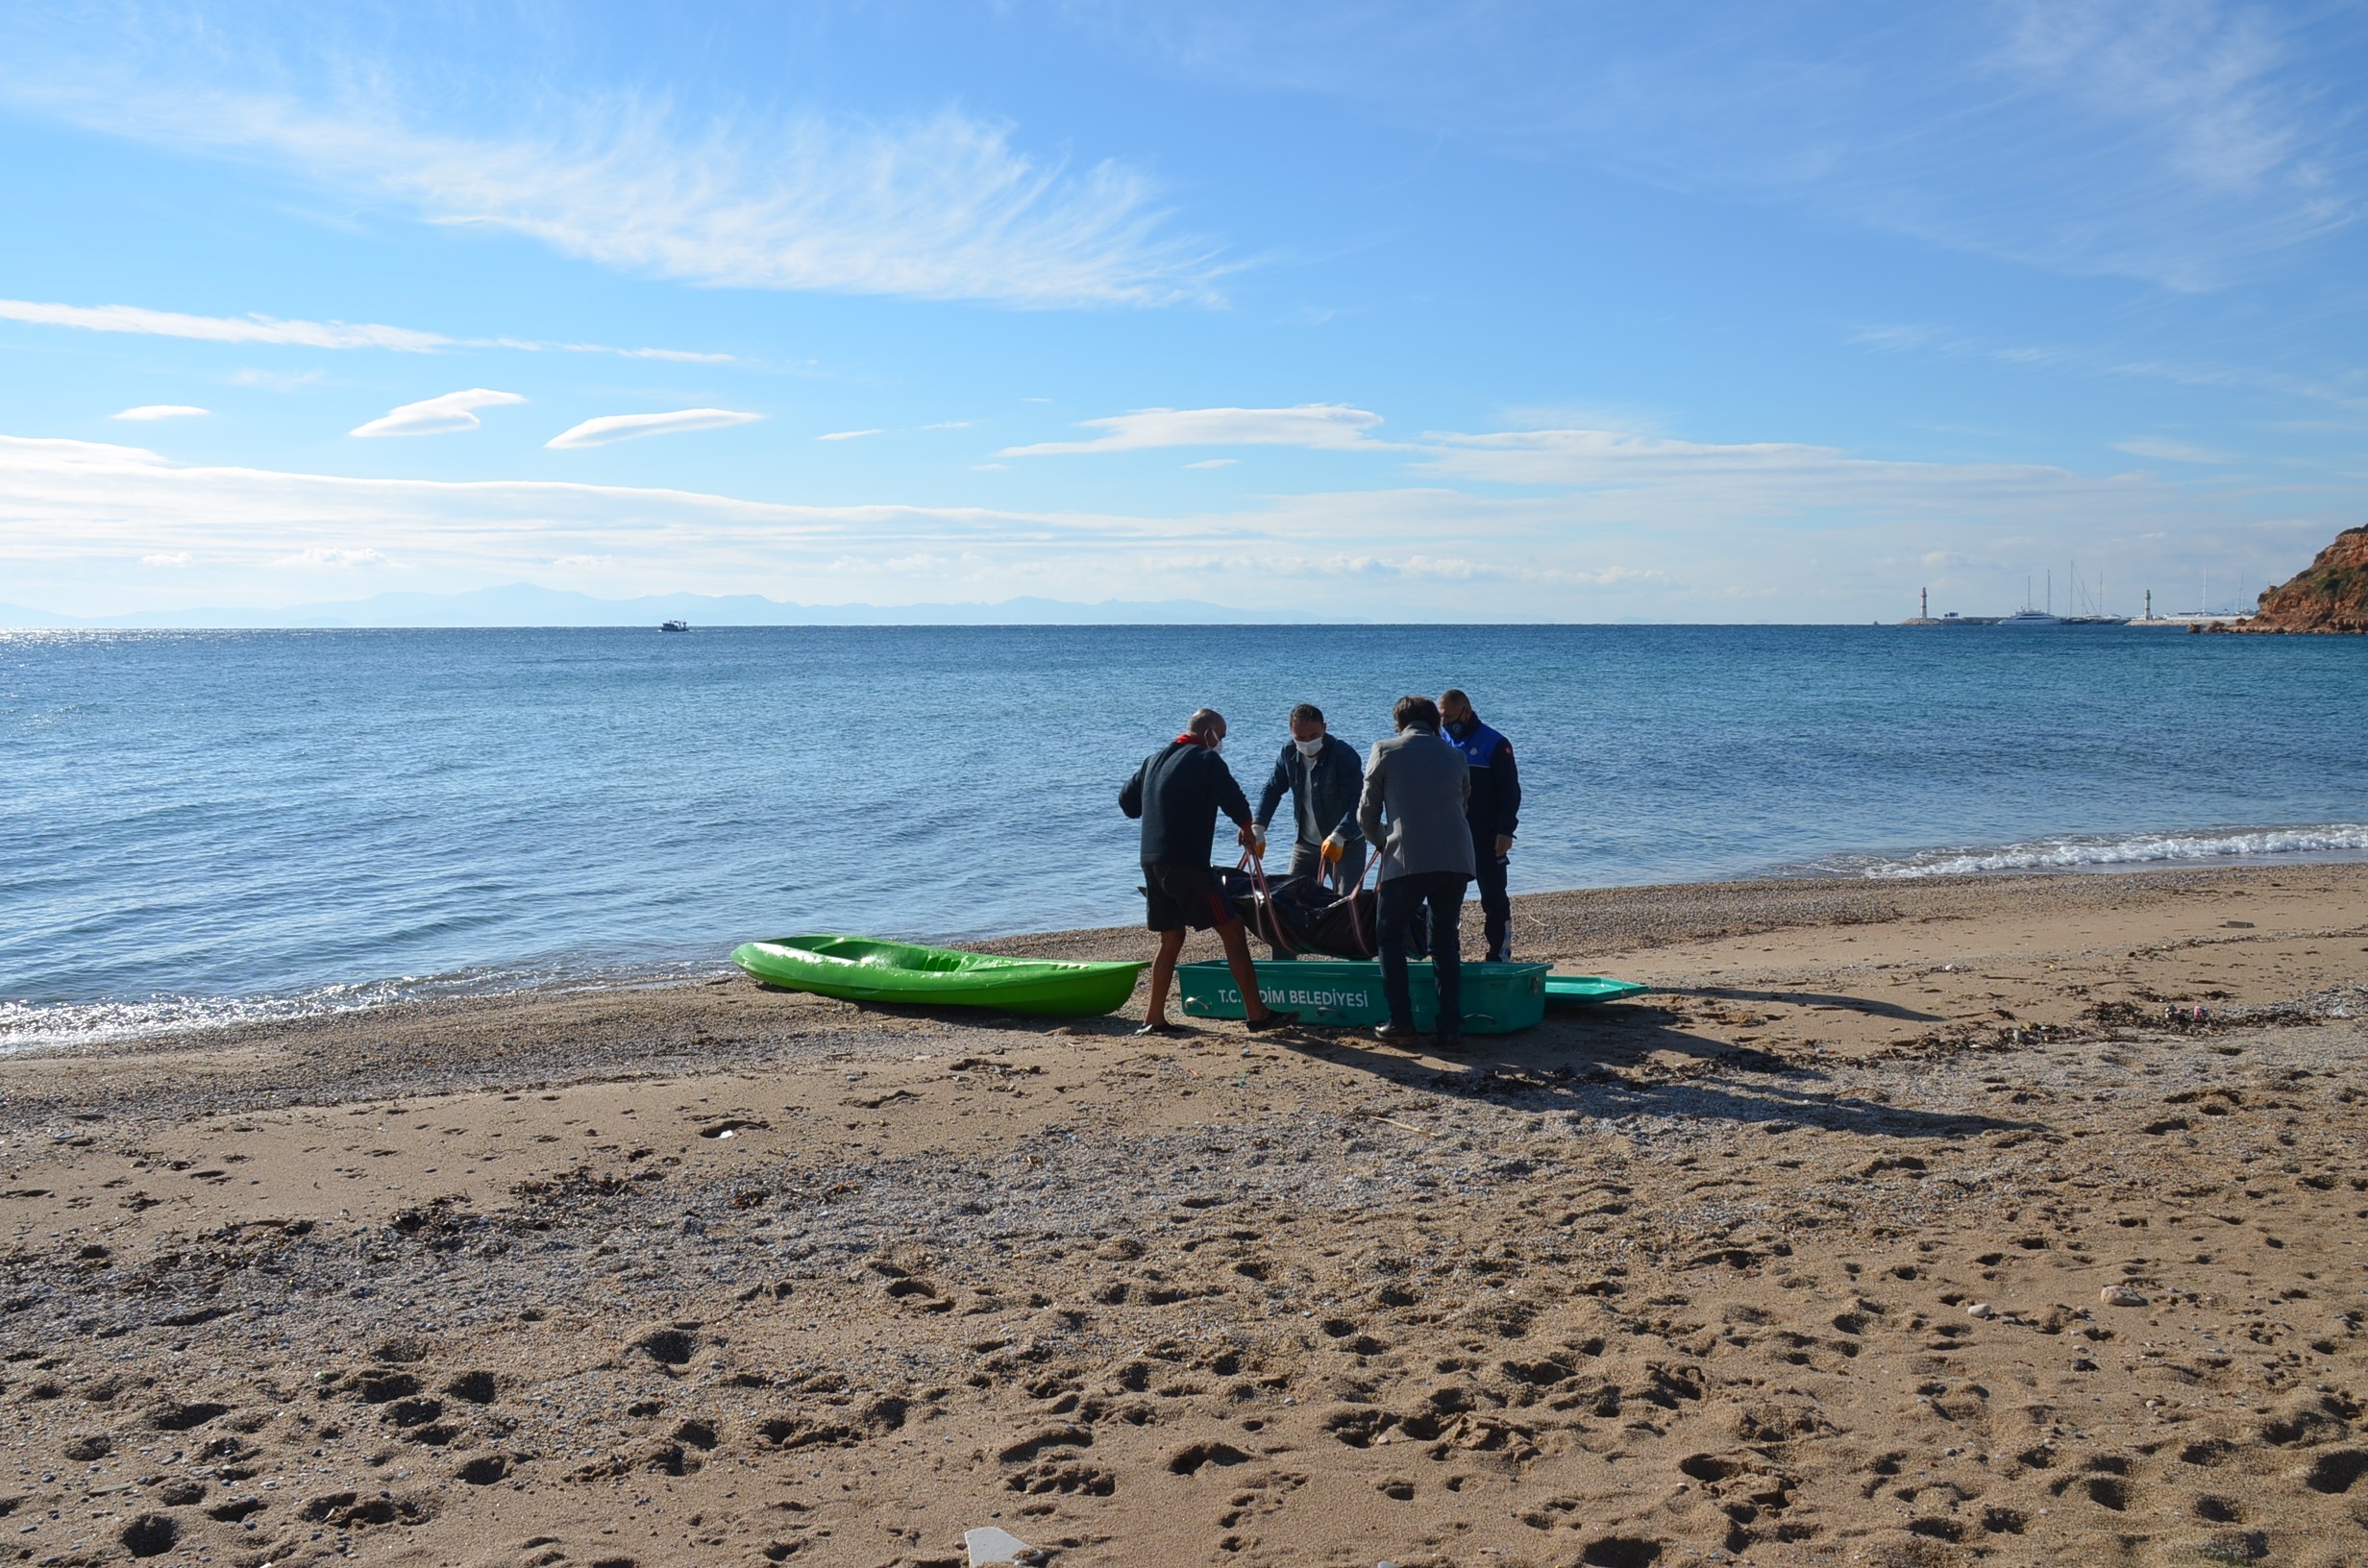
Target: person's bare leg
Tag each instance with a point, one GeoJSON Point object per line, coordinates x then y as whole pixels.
{"type": "Point", "coordinates": [1163, 973]}
{"type": "Point", "coordinates": [1245, 973]}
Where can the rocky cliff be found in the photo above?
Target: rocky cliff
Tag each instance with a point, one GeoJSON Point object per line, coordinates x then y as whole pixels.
{"type": "Point", "coordinates": [2329, 594]}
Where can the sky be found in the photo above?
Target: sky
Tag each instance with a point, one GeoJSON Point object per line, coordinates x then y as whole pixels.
{"type": "Point", "coordinates": [1397, 311]}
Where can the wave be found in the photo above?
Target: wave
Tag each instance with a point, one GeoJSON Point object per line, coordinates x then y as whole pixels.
{"type": "Point", "coordinates": [2101, 852]}
{"type": "Point", "coordinates": [26, 1025]}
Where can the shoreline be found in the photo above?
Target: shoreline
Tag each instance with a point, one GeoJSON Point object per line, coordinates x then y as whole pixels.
{"type": "Point", "coordinates": [1812, 1256]}
{"type": "Point", "coordinates": [1082, 941]}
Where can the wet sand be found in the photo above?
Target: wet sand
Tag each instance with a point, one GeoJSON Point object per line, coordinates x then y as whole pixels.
{"type": "Point", "coordinates": [2013, 1220]}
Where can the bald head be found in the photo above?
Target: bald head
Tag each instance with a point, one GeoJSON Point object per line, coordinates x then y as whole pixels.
{"type": "Point", "coordinates": [1206, 726]}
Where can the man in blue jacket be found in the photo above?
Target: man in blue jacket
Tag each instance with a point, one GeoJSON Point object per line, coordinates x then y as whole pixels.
{"type": "Point", "coordinates": [1494, 811]}
{"type": "Point", "coordinates": [1324, 778]}
{"type": "Point", "coordinates": [1178, 793]}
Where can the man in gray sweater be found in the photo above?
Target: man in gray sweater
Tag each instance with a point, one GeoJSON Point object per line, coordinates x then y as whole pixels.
{"type": "Point", "coordinates": [1416, 786]}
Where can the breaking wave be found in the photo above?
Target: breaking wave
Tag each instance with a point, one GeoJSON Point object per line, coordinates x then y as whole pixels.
{"type": "Point", "coordinates": [27, 1025]}
{"type": "Point", "coordinates": [2087, 852]}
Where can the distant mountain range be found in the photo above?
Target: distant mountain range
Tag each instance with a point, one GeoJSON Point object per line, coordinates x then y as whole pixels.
{"type": "Point", "coordinates": [525, 604]}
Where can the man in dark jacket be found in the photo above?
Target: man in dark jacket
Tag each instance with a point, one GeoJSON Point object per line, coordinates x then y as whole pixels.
{"type": "Point", "coordinates": [1416, 786]}
{"type": "Point", "coordinates": [1495, 813]}
{"type": "Point", "coordinates": [1178, 793]}
{"type": "Point", "coordinates": [1324, 778]}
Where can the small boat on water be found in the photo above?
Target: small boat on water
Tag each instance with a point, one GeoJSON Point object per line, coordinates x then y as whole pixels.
{"type": "Point", "coordinates": [870, 970]}
{"type": "Point", "coordinates": [674, 625]}
{"type": "Point", "coordinates": [2032, 620]}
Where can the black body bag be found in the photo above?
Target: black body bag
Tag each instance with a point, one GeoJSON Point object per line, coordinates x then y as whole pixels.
{"type": "Point", "coordinates": [1298, 915]}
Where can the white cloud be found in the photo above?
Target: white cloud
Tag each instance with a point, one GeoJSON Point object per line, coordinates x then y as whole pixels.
{"type": "Point", "coordinates": [847, 435]}
{"type": "Point", "coordinates": [275, 380]}
{"type": "Point", "coordinates": [2175, 140]}
{"type": "Point", "coordinates": [681, 356]}
{"type": "Point", "coordinates": [1324, 425]}
{"type": "Point", "coordinates": [1667, 528]}
{"type": "Point", "coordinates": [451, 412]}
{"type": "Point", "coordinates": [166, 557]}
{"type": "Point", "coordinates": [1736, 479]}
{"type": "Point", "coordinates": [612, 428]}
{"type": "Point", "coordinates": [148, 411]}
{"type": "Point", "coordinates": [2174, 452]}
{"type": "Point", "coordinates": [333, 555]}
{"type": "Point", "coordinates": [1214, 462]}
{"type": "Point", "coordinates": [940, 207]}
{"type": "Point", "coordinates": [309, 334]}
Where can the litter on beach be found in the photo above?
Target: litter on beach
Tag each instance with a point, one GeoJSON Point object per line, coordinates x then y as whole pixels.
{"type": "Point", "coordinates": [990, 1546]}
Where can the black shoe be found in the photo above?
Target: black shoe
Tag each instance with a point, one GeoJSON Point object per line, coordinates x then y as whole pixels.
{"type": "Point", "coordinates": [1396, 1033]}
{"type": "Point", "coordinates": [1159, 1029]}
{"type": "Point", "coordinates": [1272, 1020]}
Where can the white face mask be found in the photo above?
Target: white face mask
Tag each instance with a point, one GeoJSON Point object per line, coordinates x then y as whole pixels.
{"type": "Point", "coordinates": [1310, 750]}
{"type": "Point", "coordinates": [1217, 745]}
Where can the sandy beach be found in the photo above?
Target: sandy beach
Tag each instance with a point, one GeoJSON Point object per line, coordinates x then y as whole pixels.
{"type": "Point", "coordinates": [2015, 1220]}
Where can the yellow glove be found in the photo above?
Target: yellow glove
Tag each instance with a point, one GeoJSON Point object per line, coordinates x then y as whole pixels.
{"type": "Point", "coordinates": [1332, 850]}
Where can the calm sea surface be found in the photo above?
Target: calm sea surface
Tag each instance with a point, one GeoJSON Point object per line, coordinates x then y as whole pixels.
{"type": "Point", "coordinates": [209, 826]}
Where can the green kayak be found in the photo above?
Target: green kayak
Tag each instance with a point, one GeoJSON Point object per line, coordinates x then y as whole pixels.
{"type": "Point", "coordinates": [867, 970]}
{"type": "Point", "coordinates": [1583, 990]}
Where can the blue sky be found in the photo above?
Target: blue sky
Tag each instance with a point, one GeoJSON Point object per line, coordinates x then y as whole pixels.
{"type": "Point", "coordinates": [1683, 311]}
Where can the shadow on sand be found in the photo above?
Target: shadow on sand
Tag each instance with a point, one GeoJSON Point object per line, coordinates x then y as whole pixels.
{"type": "Point", "coordinates": [1630, 1059]}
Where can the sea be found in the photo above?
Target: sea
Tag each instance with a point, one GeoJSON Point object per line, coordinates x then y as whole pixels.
{"type": "Point", "coordinates": [214, 826]}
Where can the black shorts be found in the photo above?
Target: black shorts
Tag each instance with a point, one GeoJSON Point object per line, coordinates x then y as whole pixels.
{"type": "Point", "coordinates": [1177, 895]}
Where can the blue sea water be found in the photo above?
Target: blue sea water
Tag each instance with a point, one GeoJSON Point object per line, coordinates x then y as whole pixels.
{"type": "Point", "coordinates": [199, 827]}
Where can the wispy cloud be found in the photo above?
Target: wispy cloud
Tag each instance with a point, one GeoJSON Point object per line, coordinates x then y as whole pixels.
{"type": "Point", "coordinates": [453, 412]}
{"type": "Point", "coordinates": [2341, 389]}
{"type": "Point", "coordinates": [847, 436]}
{"type": "Point", "coordinates": [2174, 451]}
{"type": "Point", "coordinates": [309, 334]}
{"type": "Point", "coordinates": [942, 206]}
{"type": "Point", "coordinates": [1214, 462]}
{"type": "Point", "coordinates": [613, 427]}
{"type": "Point", "coordinates": [1738, 480]}
{"type": "Point", "coordinates": [148, 411]}
{"type": "Point", "coordinates": [335, 555]}
{"type": "Point", "coordinates": [2180, 141]}
{"type": "Point", "coordinates": [1675, 528]}
{"type": "Point", "coordinates": [275, 380]}
{"type": "Point", "coordinates": [1324, 425]}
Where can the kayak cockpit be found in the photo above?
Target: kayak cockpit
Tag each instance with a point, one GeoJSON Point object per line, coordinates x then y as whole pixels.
{"type": "Point", "coordinates": [883, 955]}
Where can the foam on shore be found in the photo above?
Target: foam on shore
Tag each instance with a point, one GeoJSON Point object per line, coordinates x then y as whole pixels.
{"type": "Point", "coordinates": [2106, 851]}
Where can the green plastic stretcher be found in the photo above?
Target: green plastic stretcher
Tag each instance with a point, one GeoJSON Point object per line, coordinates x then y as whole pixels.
{"type": "Point", "coordinates": [1587, 989]}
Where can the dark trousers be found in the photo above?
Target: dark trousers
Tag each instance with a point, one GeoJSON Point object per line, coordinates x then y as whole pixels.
{"type": "Point", "coordinates": [1307, 859]}
{"type": "Point", "coordinates": [1495, 907]}
{"type": "Point", "coordinates": [1405, 899]}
